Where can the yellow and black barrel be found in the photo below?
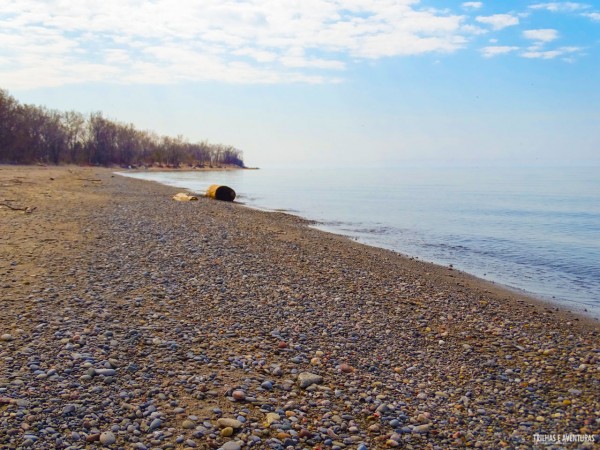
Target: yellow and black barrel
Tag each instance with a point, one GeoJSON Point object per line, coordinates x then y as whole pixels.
{"type": "Point", "coordinates": [218, 192]}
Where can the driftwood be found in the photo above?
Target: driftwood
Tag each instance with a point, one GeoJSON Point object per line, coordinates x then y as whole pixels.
{"type": "Point", "coordinates": [184, 197]}
{"type": "Point", "coordinates": [88, 179]}
{"type": "Point", "coordinates": [26, 209]}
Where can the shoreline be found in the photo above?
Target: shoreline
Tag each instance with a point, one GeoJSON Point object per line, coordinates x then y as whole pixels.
{"type": "Point", "coordinates": [181, 169]}
{"type": "Point", "coordinates": [134, 319]}
{"type": "Point", "coordinates": [561, 306]}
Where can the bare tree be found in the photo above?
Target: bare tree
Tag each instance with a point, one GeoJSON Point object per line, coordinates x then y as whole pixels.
{"type": "Point", "coordinates": [30, 134]}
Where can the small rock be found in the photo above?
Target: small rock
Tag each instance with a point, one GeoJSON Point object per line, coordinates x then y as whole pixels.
{"type": "Point", "coordinates": [272, 417]}
{"type": "Point", "coordinates": [239, 395]}
{"type": "Point", "coordinates": [306, 379]}
{"type": "Point", "coordinates": [231, 445]}
{"type": "Point", "coordinates": [107, 438]}
{"type": "Point", "coordinates": [188, 424]}
{"type": "Point", "coordinates": [227, 431]}
{"type": "Point", "coordinates": [156, 423]}
{"type": "Point", "coordinates": [346, 368]}
{"type": "Point", "coordinates": [422, 428]}
{"type": "Point", "coordinates": [6, 337]}
{"type": "Point", "coordinates": [68, 409]}
{"type": "Point", "coordinates": [225, 422]}
{"type": "Point", "coordinates": [92, 437]}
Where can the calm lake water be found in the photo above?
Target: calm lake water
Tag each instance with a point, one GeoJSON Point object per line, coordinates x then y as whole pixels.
{"type": "Point", "coordinates": [536, 230]}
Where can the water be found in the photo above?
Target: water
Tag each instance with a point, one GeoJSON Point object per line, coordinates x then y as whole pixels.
{"type": "Point", "coordinates": [536, 230]}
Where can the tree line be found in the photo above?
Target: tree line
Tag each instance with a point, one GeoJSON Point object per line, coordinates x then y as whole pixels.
{"type": "Point", "coordinates": [32, 134]}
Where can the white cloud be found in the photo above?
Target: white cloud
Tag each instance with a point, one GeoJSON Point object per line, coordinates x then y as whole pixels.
{"type": "Point", "coordinates": [474, 30]}
{"type": "Point", "coordinates": [541, 35]}
{"type": "Point", "coordinates": [550, 54]}
{"type": "Point", "coordinates": [495, 50]}
{"type": "Point", "coordinates": [252, 41]}
{"type": "Point", "coordinates": [594, 16]}
{"type": "Point", "coordinates": [498, 21]}
{"type": "Point", "coordinates": [560, 6]}
{"type": "Point", "coordinates": [472, 5]}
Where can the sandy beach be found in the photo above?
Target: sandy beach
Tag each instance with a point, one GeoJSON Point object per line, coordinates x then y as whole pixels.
{"type": "Point", "coordinates": [130, 320]}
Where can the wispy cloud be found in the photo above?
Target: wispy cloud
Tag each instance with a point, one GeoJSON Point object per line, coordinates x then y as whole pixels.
{"type": "Point", "coordinates": [498, 21]}
{"type": "Point", "coordinates": [594, 16]}
{"type": "Point", "coordinates": [472, 5]}
{"type": "Point", "coordinates": [541, 35]}
{"type": "Point", "coordinates": [560, 6]}
{"type": "Point", "coordinates": [253, 41]}
{"type": "Point", "coordinates": [550, 54]}
{"type": "Point", "coordinates": [495, 50]}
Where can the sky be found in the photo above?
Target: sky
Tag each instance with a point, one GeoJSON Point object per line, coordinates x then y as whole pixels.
{"type": "Point", "coordinates": [323, 82]}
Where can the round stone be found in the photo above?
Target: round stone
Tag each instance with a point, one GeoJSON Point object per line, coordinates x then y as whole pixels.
{"type": "Point", "coordinates": [188, 424]}
{"type": "Point", "coordinates": [346, 368]}
{"type": "Point", "coordinates": [306, 379]}
{"type": "Point", "coordinates": [107, 438]}
{"type": "Point", "coordinates": [239, 395]}
{"type": "Point", "coordinates": [231, 445]}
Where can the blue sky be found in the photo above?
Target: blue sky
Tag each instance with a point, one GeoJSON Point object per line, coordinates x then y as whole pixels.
{"type": "Point", "coordinates": [353, 82]}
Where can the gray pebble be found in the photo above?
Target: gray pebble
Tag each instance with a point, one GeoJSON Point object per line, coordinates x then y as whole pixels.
{"type": "Point", "coordinates": [306, 379]}
{"type": "Point", "coordinates": [231, 445]}
{"type": "Point", "coordinates": [107, 438]}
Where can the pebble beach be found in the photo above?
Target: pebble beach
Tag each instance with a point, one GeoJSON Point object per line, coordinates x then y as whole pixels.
{"type": "Point", "coordinates": [132, 321]}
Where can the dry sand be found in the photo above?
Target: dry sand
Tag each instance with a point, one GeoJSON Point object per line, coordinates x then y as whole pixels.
{"type": "Point", "coordinates": [133, 321]}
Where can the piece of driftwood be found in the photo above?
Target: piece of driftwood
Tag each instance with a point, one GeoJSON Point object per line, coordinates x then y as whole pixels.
{"type": "Point", "coordinates": [184, 197]}
{"type": "Point", "coordinates": [26, 209]}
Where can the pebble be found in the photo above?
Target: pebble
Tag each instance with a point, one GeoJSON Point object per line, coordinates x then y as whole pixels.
{"type": "Point", "coordinates": [231, 445]}
{"type": "Point", "coordinates": [346, 368]}
{"type": "Point", "coordinates": [227, 431]}
{"type": "Point", "coordinates": [6, 337]}
{"type": "Point", "coordinates": [272, 417]}
{"type": "Point", "coordinates": [306, 379]}
{"type": "Point", "coordinates": [225, 422]}
{"type": "Point", "coordinates": [422, 428]}
{"type": "Point", "coordinates": [107, 438]}
{"type": "Point", "coordinates": [156, 423]}
{"type": "Point", "coordinates": [238, 395]}
{"type": "Point", "coordinates": [188, 424]}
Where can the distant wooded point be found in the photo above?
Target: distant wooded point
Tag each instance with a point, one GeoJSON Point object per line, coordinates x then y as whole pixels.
{"type": "Point", "coordinates": [33, 134]}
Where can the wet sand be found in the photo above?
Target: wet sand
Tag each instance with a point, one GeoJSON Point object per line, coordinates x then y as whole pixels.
{"type": "Point", "coordinates": [131, 320]}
